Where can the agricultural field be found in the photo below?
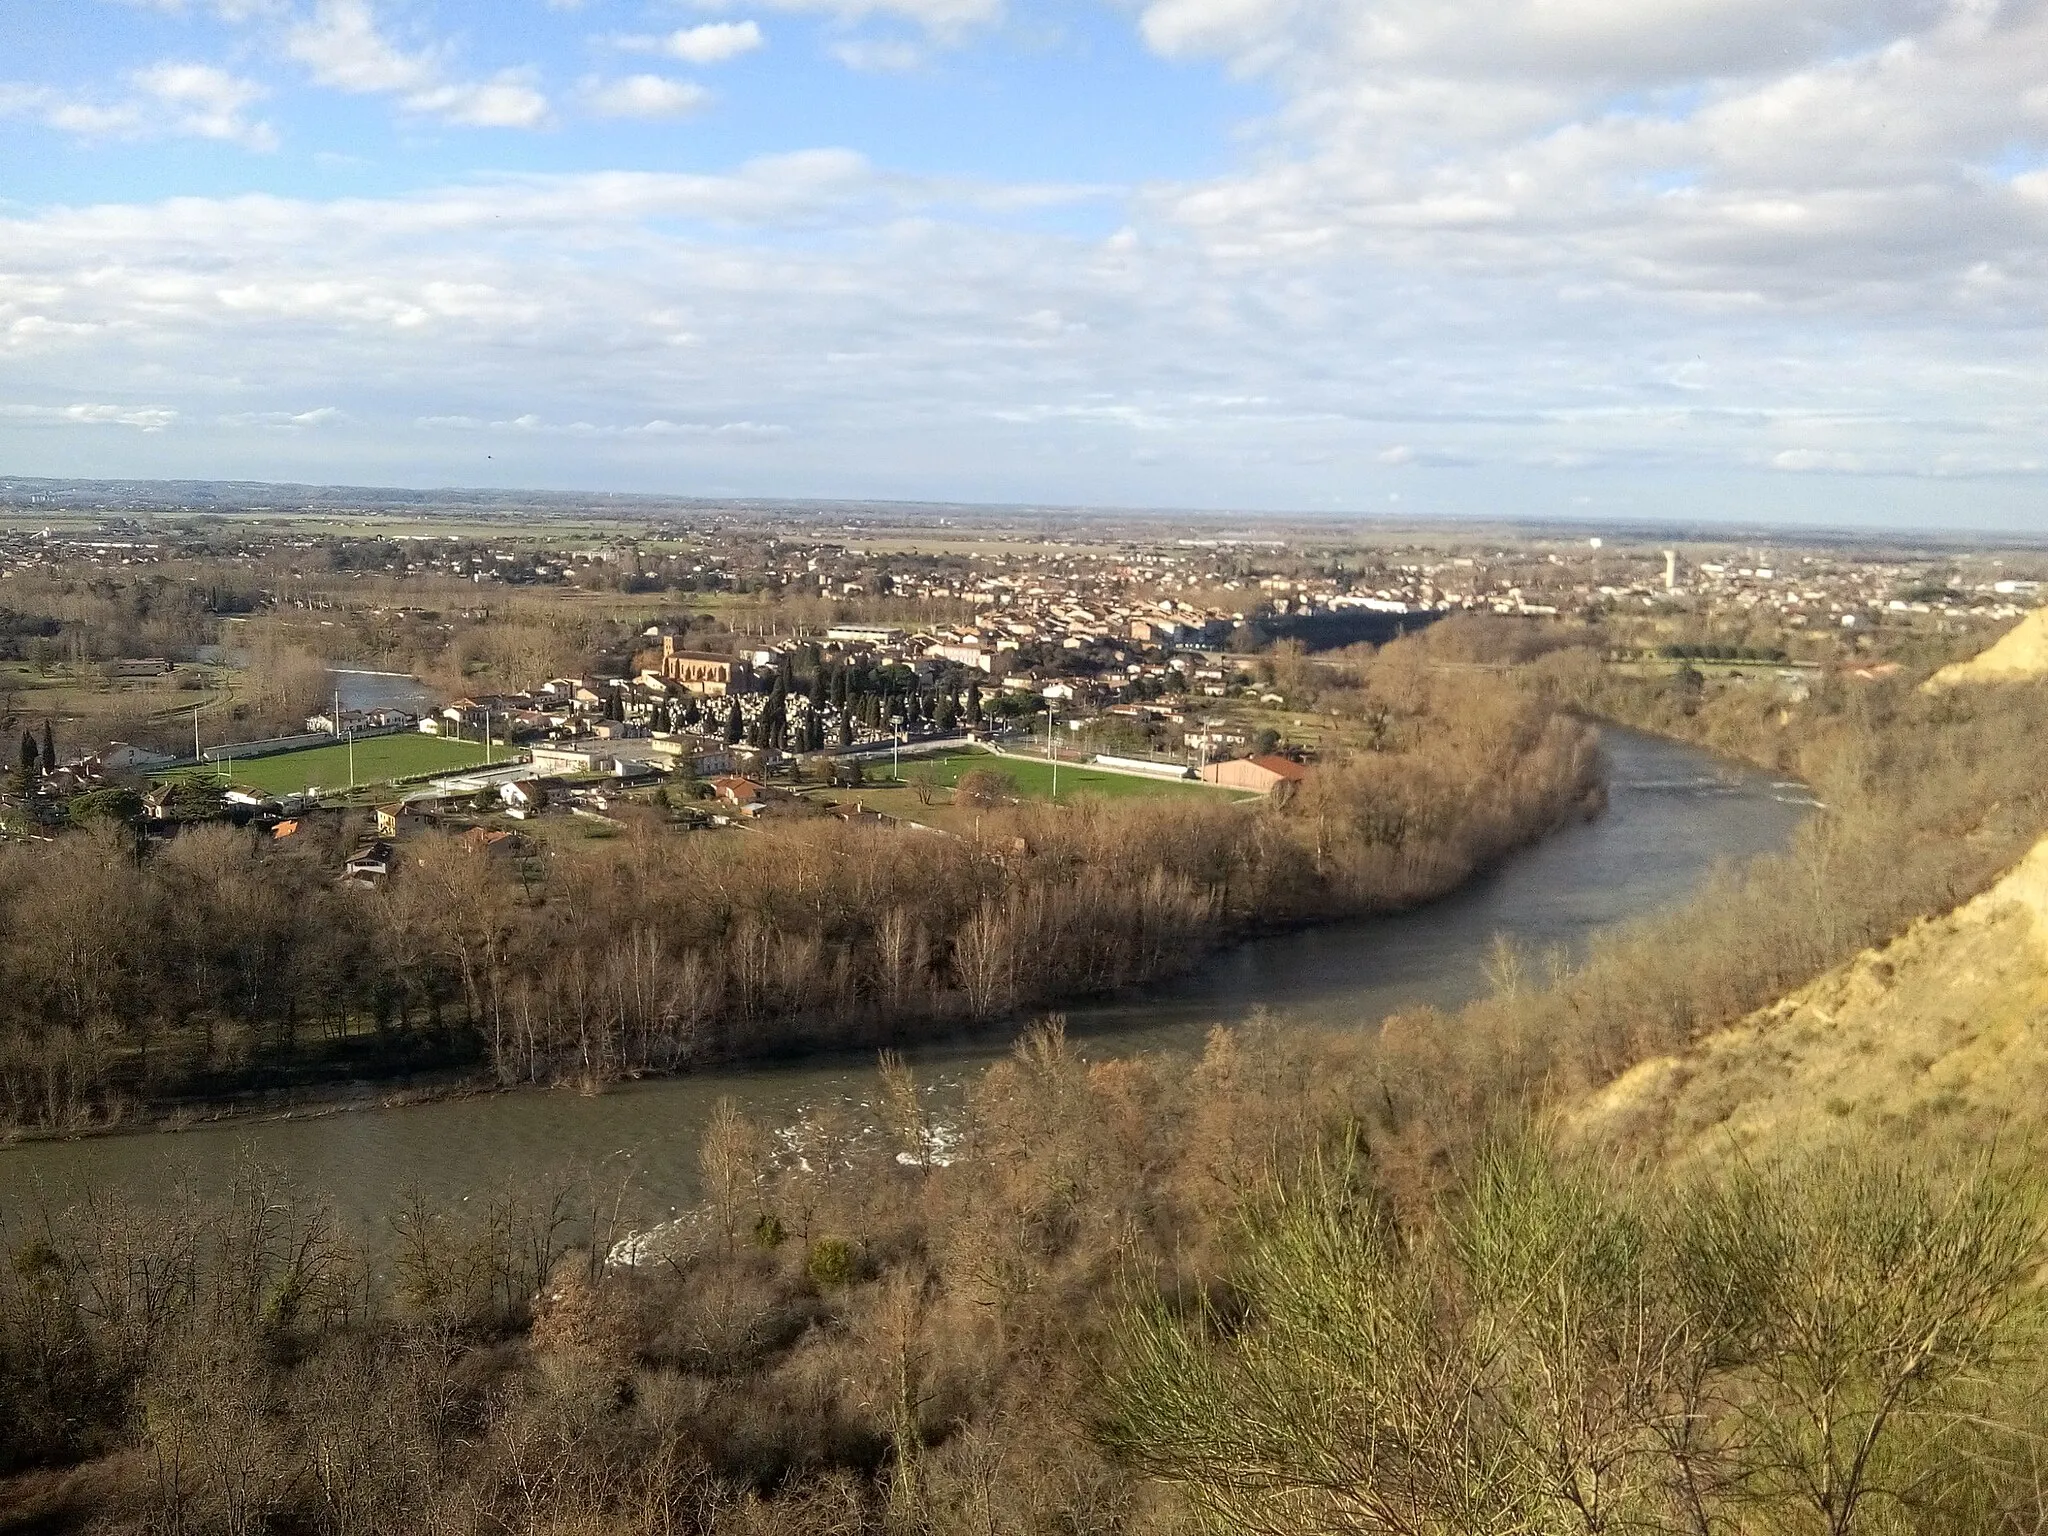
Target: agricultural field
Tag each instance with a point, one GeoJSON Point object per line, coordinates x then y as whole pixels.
{"type": "Point", "coordinates": [87, 703]}
{"type": "Point", "coordinates": [378, 760]}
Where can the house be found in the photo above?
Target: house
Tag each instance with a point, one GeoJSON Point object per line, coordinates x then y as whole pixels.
{"type": "Point", "coordinates": [368, 864]}
{"type": "Point", "coordinates": [864, 634]}
{"type": "Point", "coordinates": [704, 756]}
{"type": "Point", "coordinates": [489, 843]}
{"type": "Point", "coordinates": [572, 757]}
{"type": "Point", "coordinates": [736, 790]}
{"type": "Point", "coordinates": [1272, 776]}
{"type": "Point", "coordinates": [523, 798]}
{"type": "Point", "coordinates": [120, 757]}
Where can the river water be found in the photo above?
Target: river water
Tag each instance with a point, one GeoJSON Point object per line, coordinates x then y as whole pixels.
{"type": "Point", "coordinates": [1673, 812]}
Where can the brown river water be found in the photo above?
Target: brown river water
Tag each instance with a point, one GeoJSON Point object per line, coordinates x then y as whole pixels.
{"type": "Point", "coordinates": [1673, 813]}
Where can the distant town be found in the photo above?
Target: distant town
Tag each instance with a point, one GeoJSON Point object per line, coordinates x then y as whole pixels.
{"type": "Point", "coordinates": [732, 665]}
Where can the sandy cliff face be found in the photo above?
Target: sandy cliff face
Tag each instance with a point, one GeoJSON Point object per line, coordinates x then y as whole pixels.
{"type": "Point", "coordinates": [2020, 653]}
{"type": "Point", "coordinates": [1942, 1035]}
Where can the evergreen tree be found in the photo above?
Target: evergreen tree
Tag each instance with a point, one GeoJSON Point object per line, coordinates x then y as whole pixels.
{"type": "Point", "coordinates": [817, 688]}
{"type": "Point", "coordinates": [31, 761]}
{"type": "Point", "coordinates": [49, 750]}
{"type": "Point", "coordinates": [732, 722]}
{"type": "Point", "coordinates": [973, 704]}
{"type": "Point", "coordinates": [945, 716]}
{"type": "Point", "coordinates": [839, 687]}
{"type": "Point", "coordinates": [846, 730]}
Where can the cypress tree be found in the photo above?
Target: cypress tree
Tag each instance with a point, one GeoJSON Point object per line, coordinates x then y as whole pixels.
{"type": "Point", "coordinates": [732, 722]}
{"type": "Point", "coordinates": [49, 750]}
{"type": "Point", "coordinates": [31, 761]}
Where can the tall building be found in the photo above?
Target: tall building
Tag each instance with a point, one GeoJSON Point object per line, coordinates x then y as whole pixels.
{"type": "Point", "coordinates": [709, 674]}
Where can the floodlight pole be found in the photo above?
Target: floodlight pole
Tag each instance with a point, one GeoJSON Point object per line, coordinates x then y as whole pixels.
{"type": "Point", "coordinates": [1052, 751]}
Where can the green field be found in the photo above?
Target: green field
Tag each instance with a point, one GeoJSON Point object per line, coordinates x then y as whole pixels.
{"type": "Point", "coordinates": [1034, 779]}
{"type": "Point", "coordinates": [379, 760]}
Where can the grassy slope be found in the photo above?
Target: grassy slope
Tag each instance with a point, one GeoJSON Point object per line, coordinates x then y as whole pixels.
{"type": "Point", "coordinates": [1937, 1041]}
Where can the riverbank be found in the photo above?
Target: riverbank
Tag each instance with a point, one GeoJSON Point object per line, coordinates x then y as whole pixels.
{"type": "Point", "coordinates": [1673, 814]}
{"type": "Point", "coordinates": [314, 1101]}
{"type": "Point", "coordinates": [235, 966]}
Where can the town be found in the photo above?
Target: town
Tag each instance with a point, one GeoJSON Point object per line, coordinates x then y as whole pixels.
{"type": "Point", "coordinates": [865, 669]}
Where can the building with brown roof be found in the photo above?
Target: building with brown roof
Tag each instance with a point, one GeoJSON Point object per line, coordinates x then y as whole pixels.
{"type": "Point", "coordinates": [1269, 775]}
{"type": "Point", "coordinates": [709, 674]}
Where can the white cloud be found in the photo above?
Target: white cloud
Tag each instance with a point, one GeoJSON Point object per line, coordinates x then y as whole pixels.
{"type": "Point", "coordinates": [532, 423]}
{"type": "Point", "coordinates": [344, 48]}
{"type": "Point", "coordinates": [147, 419]}
{"type": "Point", "coordinates": [944, 19]}
{"type": "Point", "coordinates": [650, 97]}
{"type": "Point", "coordinates": [879, 56]}
{"type": "Point", "coordinates": [226, 10]}
{"type": "Point", "coordinates": [1700, 254]}
{"type": "Point", "coordinates": [170, 98]}
{"type": "Point", "coordinates": [294, 421]}
{"type": "Point", "coordinates": [208, 102]}
{"type": "Point", "coordinates": [713, 42]}
{"type": "Point", "coordinates": [510, 100]}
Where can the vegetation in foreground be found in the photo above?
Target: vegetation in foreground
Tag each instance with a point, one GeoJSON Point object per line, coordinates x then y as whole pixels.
{"type": "Point", "coordinates": [1313, 1284]}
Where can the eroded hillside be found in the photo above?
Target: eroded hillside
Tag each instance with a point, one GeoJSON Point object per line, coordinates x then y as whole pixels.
{"type": "Point", "coordinates": [2020, 653]}
{"type": "Point", "coordinates": [1941, 1035]}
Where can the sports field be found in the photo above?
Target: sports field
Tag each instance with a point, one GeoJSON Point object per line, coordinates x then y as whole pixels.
{"type": "Point", "coordinates": [378, 760]}
{"type": "Point", "coordinates": [1034, 779]}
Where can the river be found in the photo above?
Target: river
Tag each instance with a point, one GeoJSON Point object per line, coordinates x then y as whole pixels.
{"type": "Point", "coordinates": [1673, 812]}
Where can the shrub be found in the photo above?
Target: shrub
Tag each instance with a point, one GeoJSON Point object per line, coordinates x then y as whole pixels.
{"type": "Point", "coordinates": [832, 1261]}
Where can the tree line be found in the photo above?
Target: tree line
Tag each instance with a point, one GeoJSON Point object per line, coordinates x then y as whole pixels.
{"type": "Point", "coordinates": [226, 959]}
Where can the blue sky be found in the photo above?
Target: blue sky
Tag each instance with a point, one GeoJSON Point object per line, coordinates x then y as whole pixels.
{"type": "Point", "coordinates": [1697, 258]}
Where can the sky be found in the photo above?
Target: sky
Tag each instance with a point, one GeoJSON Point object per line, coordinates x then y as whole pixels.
{"type": "Point", "coordinates": [1749, 260]}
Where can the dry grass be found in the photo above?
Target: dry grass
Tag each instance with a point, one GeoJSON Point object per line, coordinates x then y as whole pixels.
{"type": "Point", "coordinates": [1938, 1034]}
